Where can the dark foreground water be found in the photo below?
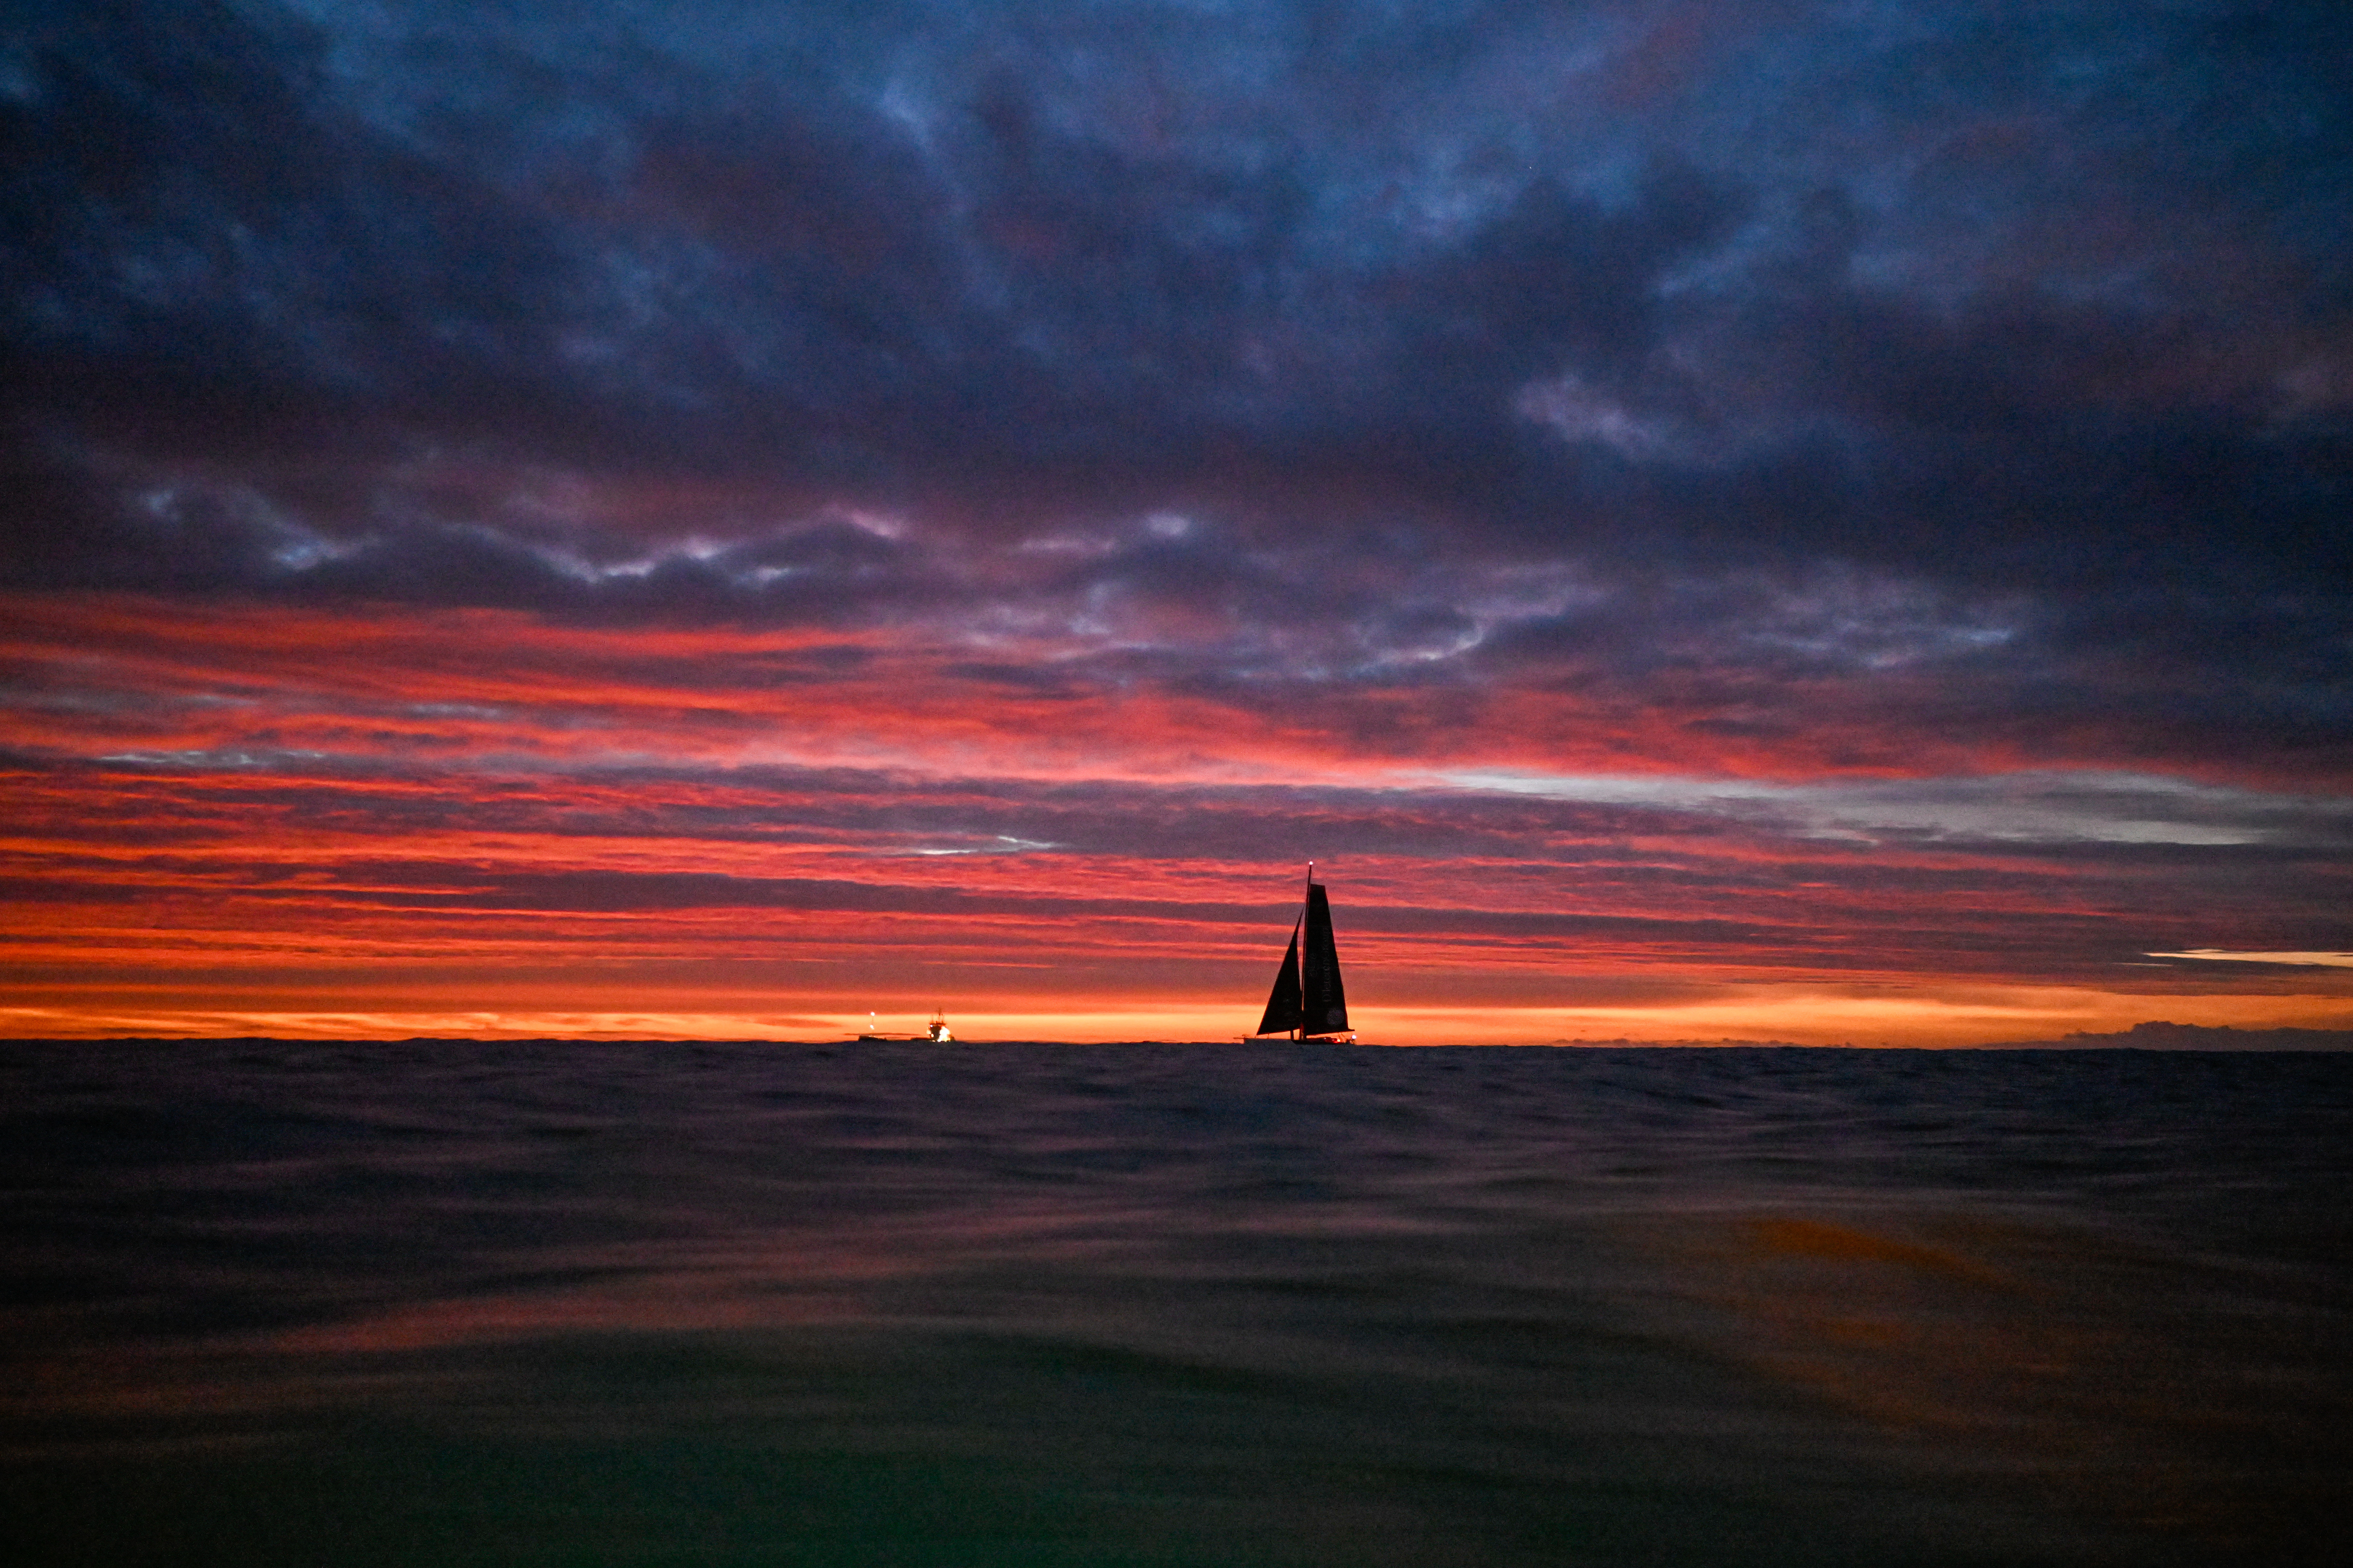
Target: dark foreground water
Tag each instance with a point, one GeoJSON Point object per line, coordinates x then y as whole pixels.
{"type": "Point", "coordinates": [599, 1303]}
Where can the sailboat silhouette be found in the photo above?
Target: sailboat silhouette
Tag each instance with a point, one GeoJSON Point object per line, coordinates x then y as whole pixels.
{"type": "Point", "coordinates": [1308, 1002]}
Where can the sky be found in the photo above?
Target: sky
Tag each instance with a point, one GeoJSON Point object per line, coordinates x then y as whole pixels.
{"type": "Point", "coordinates": [1748, 519]}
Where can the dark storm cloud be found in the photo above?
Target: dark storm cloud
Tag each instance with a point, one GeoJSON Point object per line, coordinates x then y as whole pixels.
{"type": "Point", "coordinates": [2032, 317]}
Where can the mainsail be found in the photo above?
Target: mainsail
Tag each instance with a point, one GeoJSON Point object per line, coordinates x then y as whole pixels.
{"type": "Point", "coordinates": [1322, 1001]}
{"type": "Point", "coordinates": [1308, 999]}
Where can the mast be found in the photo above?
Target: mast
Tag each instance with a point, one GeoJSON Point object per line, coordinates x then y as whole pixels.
{"type": "Point", "coordinates": [1307, 902]}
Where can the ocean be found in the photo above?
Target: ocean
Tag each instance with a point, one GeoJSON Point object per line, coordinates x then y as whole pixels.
{"type": "Point", "coordinates": [595, 1302]}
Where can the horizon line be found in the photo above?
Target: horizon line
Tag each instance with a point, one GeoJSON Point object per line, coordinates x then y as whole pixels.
{"type": "Point", "coordinates": [2153, 1036]}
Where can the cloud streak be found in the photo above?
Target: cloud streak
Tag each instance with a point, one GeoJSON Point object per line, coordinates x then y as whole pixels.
{"type": "Point", "coordinates": [2312, 960]}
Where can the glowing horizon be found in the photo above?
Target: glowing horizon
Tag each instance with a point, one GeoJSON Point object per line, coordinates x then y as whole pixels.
{"type": "Point", "coordinates": [1809, 1018]}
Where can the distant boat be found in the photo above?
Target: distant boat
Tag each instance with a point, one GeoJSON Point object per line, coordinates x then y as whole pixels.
{"type": "Point", "coordinates": [936, 1031]}
{"type": "Point", "coordinates": [1308, 1002]}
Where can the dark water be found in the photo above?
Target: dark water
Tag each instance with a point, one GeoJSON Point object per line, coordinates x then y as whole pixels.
{"type": "Point", "coordinates": [599, 1303]}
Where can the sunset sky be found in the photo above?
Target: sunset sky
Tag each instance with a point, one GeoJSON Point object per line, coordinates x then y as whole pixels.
{"type": "Point", "coordinates": [1755, 519]}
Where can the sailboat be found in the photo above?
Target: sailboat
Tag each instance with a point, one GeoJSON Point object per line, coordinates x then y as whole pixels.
{"type": "Point", "coordinates": [1307, 1001]}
